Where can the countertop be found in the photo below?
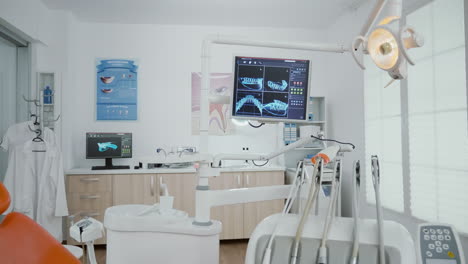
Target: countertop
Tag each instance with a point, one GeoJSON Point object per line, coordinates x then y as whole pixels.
{"type": "Point", "coordinates": [81, 171]}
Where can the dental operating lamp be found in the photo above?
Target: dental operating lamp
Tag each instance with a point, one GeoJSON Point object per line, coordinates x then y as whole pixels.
{"type": "Point", "coordinates": [388, 42]}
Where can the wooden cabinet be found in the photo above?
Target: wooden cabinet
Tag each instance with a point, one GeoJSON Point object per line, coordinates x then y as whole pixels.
{"type": "Point", "coordinates": [91, 195]}
{"type": "Point", "coordinates": [232, 216]}
{"type": "Point", "coordinates": [182, 187]}
{"type": "Point", "coordinates": [254, 213]}
{"type": "Point", "coordinates": [135, 189]}
{"type": "Point", "coordinates": [240, 220]}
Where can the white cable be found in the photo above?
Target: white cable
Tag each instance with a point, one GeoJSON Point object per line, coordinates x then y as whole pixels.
{"type": "Point", "coordinates": [310, 201]}
{"type": "Point", "coordinates": [323, 252]}
{"type": "Point", "coordinates": [356, 191]}
{"type": "Point", "coordinates": [380, 223]}
{"type": "Point", "coordinates": [376, 181]}
{"type": "Point", "coordinates": [91, 255]}
{"type": "Point", "coordinates": [289, 202]}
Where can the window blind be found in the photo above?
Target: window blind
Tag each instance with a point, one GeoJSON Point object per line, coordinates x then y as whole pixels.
{"type": "Point", "coordinates": [383, 136]}
{"type": "Point", "coordinates": [437, 116]}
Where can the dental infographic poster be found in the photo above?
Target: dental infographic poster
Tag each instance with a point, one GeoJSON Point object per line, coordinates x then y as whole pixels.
{"type": "Point", "coordinates": [116, 93]}
{"type": "Point", "coordinates": [221, 84]}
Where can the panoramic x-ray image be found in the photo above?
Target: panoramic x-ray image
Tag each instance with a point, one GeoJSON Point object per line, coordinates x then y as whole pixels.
{"type": "Point", "coordinates": [275, 104]}
{"type": "Point", "coordinates": [277, 79]}
{"type": "Point", "coordinates": [250, 78]}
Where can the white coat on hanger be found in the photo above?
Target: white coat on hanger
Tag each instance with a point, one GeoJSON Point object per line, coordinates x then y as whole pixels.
{"type": "Point", "coordinates": [35, 180]}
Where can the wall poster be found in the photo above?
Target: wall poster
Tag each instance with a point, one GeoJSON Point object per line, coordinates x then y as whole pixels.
{"type": "Point", "coordinates": [116, 91]}
{"type": "Point", "coordinates": [220, 84]}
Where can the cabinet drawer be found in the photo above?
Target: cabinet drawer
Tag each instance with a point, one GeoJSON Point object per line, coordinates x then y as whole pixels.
{"type": "Point", "coordinates": [89, 201]}
{"type": "Point", "coordinates": [89, 183]}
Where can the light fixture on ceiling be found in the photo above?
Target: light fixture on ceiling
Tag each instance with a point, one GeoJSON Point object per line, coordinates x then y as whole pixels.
{"type": "Point", "coordinates": [388, 42]}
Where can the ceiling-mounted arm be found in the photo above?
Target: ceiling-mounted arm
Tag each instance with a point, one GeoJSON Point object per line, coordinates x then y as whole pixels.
{"type": "Point", "coordinates": [373, 16]}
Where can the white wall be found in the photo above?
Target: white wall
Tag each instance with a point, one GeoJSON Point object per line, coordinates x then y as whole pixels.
{"type": "Point", "coordinates": [46, 27]}
{"type": "Point", "coordinates": [48, 31]}
{"type": "Point", "coordinates": [346, 98]}
{"type": "Point", "coordinates": [167, 56]}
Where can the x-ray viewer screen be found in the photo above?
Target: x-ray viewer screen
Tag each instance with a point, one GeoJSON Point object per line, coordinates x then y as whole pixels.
{"type": "Point", "coordinates": [270, 88]}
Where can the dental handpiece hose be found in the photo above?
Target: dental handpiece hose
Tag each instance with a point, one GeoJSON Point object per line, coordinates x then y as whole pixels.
{"type": "Point", "coordinates": [310, 200]}
{"type": "Point", "coordinates": [356, 187]}
{"type": "Point", "coordinates": [376, 182]}
{"type": "Point", "coordinates": [323, 251]}
{"type": "Point", "coordinates": [289, 202]}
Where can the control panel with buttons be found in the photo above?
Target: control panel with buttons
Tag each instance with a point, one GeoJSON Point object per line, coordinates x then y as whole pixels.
{"type": "Point", "coordinates": [439, 244]}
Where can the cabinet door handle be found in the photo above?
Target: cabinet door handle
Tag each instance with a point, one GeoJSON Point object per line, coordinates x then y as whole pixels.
{"type": "Point", "coordinates": [152, 185]}
{"type": "Point", "coordinates": [89, 179]}
{"type": "Point", "coordinates": [238, 181]}
{"type": "Point", "coordinates": [89, 214]}
{"type": "Point", "coordinates": [83, 197]}
{"type": "Point", "coordinates": [247, 180]}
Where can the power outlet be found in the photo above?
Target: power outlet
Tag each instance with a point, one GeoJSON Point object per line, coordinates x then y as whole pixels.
{"type": "Point", "coordinates": [246, 150]}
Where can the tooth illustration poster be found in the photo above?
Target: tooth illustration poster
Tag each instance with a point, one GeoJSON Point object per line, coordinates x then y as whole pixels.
{"type": "Point", "coordinates": [220, 114]}
{"type": "Point", "coordinates": [116, 93]}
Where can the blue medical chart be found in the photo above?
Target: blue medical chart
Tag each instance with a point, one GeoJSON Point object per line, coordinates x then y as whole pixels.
{"type": "Point", "coordinates": [116, 90]}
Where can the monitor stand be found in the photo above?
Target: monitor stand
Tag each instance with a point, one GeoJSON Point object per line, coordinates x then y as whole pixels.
{"type": "Point", "coordinates": [109, 166]}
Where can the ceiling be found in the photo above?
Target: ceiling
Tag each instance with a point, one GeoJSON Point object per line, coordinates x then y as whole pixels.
{"type": "Point", "coordinates": [311, 14]}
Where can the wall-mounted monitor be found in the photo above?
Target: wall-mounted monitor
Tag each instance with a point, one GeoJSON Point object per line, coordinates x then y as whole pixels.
{"type": "Point", "coordinates": [270, 89]}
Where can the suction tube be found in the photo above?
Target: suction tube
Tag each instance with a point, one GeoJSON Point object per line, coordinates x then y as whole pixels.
{"type": "Point", "coordinates": [356, 190]}
{"type": "Point", "coordinates": [310, 201]}
{"type": "Point", "coordinates": [376, 181]}
{"type": "Point", "coordinates": [323, 251]}
{"type": "Point", "coordinates": [289, 202]}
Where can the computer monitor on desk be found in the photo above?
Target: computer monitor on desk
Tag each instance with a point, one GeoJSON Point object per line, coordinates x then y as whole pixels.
{"type": "Point", "coordinates": [108, 146]}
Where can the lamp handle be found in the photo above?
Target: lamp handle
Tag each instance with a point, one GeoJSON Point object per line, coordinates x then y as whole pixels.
{"type": "Point", "coordinates": [354, 47]}
{"type": "Point", "coordinates": [415, 41]}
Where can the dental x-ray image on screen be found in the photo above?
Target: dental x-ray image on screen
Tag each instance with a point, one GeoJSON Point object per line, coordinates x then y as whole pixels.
{"type": "Point", "coordinates": [250, 78]}
{"type": "Point", "coordinates": [277, 79]}
{"type": "Point", "coordinates": [270, 89]}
